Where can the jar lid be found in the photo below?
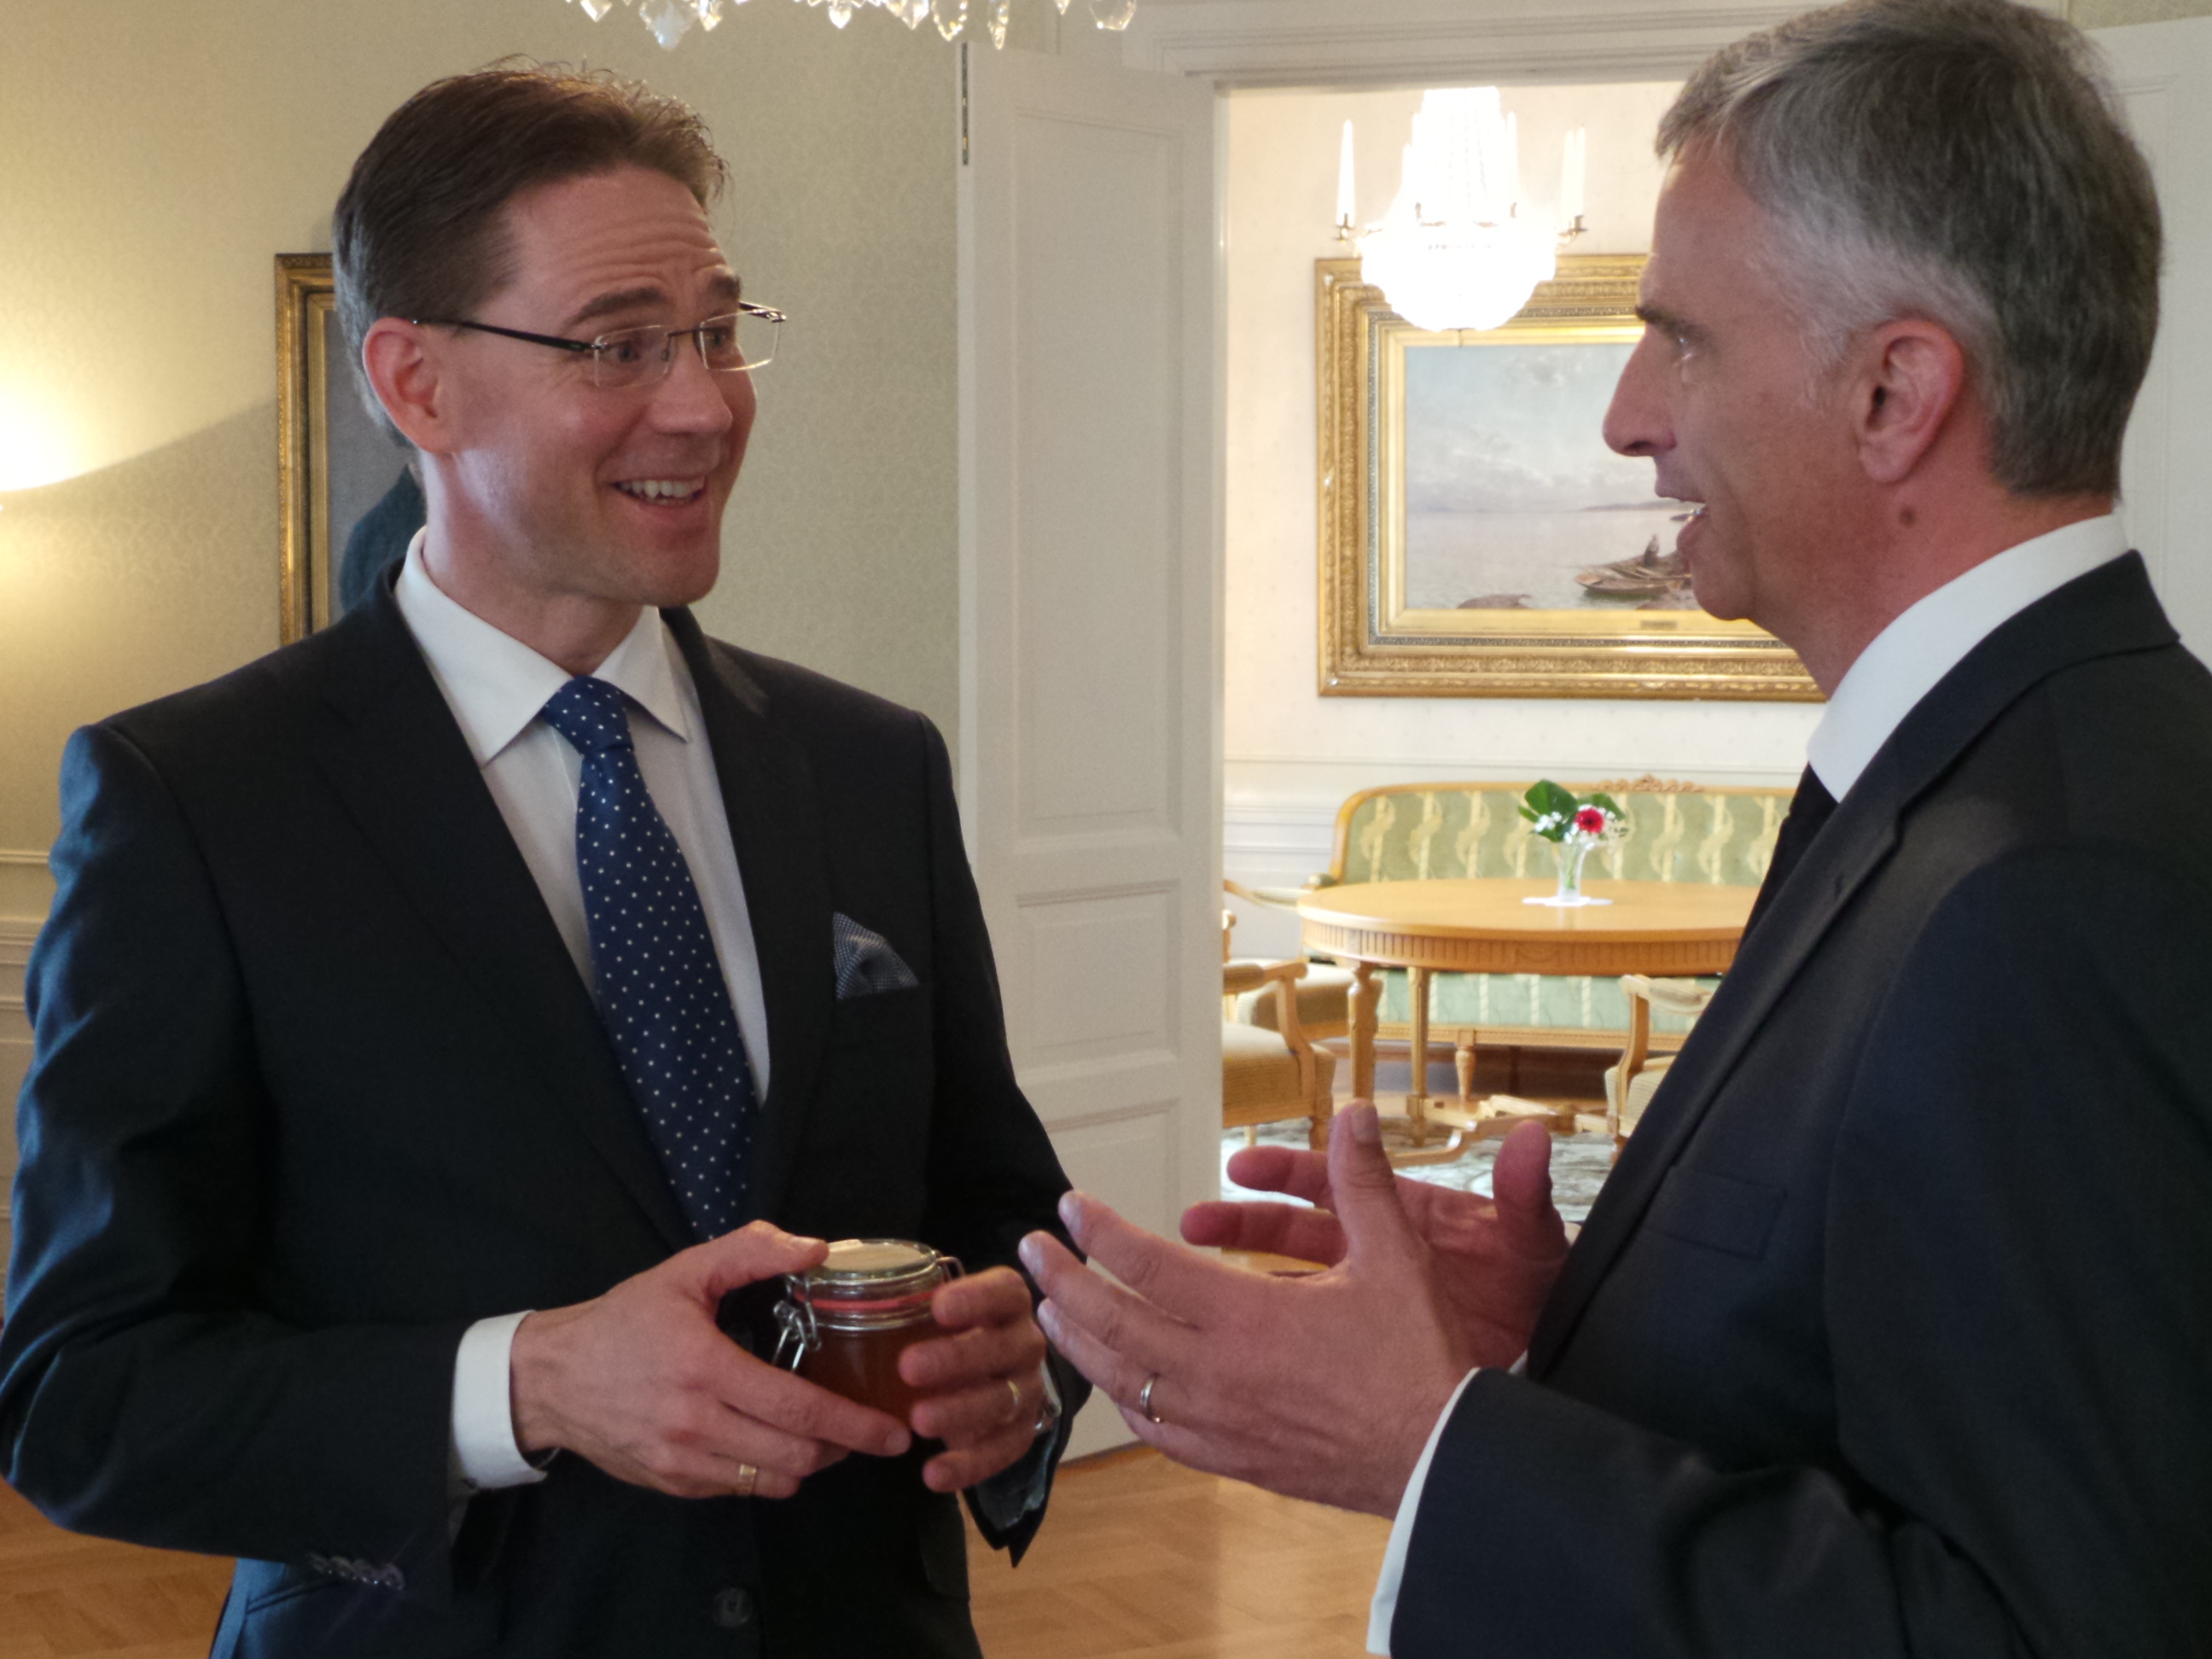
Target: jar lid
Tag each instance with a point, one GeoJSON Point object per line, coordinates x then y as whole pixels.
{"type": "Point", "coordinates": [874, 1268]}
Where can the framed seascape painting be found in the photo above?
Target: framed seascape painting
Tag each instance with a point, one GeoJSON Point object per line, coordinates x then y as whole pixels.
{"type": "Point", "coordinates": [342, 480]}
{"type": "Point", "coordinates": [1477, 537]}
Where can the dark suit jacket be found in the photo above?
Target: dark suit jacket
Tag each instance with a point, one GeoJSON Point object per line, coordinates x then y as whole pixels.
{"type": "Point", "coordinates": [1892, 1332]}
{"type": "Point", "coordinates": [317, 1084]}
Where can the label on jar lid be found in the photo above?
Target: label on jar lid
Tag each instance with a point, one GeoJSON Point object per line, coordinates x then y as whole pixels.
{"type": "Point", "coordinates": [875, 1258]}
{"type": "Point", "coordinates": [861, 1271]}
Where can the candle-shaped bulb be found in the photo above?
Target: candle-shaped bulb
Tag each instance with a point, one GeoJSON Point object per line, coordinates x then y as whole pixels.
{"type": "Point", "coordinates": [1345, 193]}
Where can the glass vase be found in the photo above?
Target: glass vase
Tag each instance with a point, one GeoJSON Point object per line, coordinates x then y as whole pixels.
{"type": "Point", "coordinates": [1571, 852]}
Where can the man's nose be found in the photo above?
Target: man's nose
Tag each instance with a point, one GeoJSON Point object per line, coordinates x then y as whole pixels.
{"type": "Point", "coordinates": [692, 398]}
{"type": "Point", "coordinates": [1635, 420]}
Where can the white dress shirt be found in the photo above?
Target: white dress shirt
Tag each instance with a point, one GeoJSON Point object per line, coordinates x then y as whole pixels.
{"type": "Point", "coordinates": [495, 685]}
{"type": "Point", "coordinates": [1921, 645]}
{"type": "Point", "coordinates": [1928, 640]}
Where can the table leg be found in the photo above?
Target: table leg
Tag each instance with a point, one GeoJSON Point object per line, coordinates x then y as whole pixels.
{"type": "Point", "coordinates": [1417, 1100]}
{"type": "Point", "coordinates": [1366, 995]}
{"type": "Point", "coordinates": [1463, 1063]}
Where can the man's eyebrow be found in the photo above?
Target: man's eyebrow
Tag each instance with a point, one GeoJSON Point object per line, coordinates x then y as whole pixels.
{"type": "Point", "coordinates": [620, 300]}
{"type": "Point", "coordinates": [722, 290]}
{"type": "Point", "coordinates": [1666, 322]}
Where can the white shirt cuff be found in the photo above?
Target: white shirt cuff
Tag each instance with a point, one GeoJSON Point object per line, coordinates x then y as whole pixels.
{"type": "Point", "coordinates": [1384, 1607]}
{"type": "Point", "coordinates": [484, 1452]}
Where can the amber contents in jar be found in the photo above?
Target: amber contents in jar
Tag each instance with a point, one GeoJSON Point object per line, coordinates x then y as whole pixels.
{"type": "Point", "coordinates": [852, 1316]}
{"type": "Point", "coordinates": [863, 1365]}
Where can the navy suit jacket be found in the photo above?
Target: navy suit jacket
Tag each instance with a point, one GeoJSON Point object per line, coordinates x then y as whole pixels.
{"type": "Point", "coordinates": [317, 1084]}
{"type": "Point", "coordinates": [1892, 1332]}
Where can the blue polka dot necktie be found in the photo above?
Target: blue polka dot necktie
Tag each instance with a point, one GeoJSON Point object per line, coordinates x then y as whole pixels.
{"type": "Point", "coordinates": [661, 989]}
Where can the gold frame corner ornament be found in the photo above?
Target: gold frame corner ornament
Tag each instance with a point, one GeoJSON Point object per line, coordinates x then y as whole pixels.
{"type": "Point", "coordinates": [1372, 647]}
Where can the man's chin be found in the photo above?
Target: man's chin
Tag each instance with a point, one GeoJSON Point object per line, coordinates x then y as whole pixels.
{"type": "Point", "coordinates": [1716, 599]}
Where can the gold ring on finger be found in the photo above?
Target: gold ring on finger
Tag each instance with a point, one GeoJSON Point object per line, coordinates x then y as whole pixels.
{"type": "Point", "coordinates": [1145, 1398]}
{"type": "Point", "coordinates": [1014, 1388]}
{"type": "Point", "coordinates": [748, 1477]}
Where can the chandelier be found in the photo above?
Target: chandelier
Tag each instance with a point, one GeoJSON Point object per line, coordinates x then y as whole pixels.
{"type": "Point", "coordinates": [671, 20]}
{"type": "Point", "coordinates": [1455, 251]}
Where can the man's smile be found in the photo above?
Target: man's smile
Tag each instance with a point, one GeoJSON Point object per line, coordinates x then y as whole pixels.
{"type": "Point", "coordinates": [674, 491]}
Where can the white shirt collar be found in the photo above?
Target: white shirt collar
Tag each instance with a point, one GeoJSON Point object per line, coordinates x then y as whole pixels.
{"type": "Point", "coordinates": [1928, 639]}
{"type": "Point", "coordinates": [496, 684]}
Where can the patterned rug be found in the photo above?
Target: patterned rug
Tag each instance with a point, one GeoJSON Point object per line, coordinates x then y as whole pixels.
{"type": "Point", "coordinates": [1580, 1164]}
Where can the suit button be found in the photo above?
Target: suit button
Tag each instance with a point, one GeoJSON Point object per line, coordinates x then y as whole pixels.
{"type": "Point", "coordinates": [733, 1609]}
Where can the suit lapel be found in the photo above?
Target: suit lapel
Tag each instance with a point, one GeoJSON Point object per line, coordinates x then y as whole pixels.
{"type": "Point", "coordinates": [768, 795]}
{"type": "Point", "coordinates": [400, 764]}
{"type": "Point", "coordinates": [2110, 611]}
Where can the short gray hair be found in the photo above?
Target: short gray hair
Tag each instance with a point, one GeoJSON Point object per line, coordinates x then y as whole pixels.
{"type": "Point", "coordinates": [1964, 161]}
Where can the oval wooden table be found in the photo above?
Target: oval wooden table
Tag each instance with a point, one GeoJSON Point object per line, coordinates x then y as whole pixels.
{"type": "Point", "coordinates": [1484, 925]}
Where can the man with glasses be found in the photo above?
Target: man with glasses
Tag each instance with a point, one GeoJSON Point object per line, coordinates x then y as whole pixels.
{"type": "Point", "coordinates": [440, 1021]}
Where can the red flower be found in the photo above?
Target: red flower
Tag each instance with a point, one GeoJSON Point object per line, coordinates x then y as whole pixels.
{"type": "Point", "coordinates": [1590, 821]}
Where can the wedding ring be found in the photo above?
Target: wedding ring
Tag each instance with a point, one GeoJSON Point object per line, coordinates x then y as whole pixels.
{"type": "Point", "coordinates": [1145, 1398]}
{"type": "Point", "coordinates": [1015, 1389]}
{"type": "Point", "coordinates": [748, 1477]}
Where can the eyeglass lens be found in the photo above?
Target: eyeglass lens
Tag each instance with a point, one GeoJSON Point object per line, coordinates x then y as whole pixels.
{"type": "Point", "coordinates": [727, 345]}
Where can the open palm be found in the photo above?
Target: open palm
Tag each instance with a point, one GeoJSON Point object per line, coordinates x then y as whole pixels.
{"type": "Point", "coordinates": [1494, 1260]}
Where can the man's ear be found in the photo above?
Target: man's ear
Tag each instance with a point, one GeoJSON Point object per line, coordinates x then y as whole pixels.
{"type": "Point", "coordinates": [407, 374]}
{"type": "Point", "coordinates": [1913, 373]}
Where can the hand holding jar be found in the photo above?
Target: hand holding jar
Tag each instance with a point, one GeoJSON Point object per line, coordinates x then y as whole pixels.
{"type": "Point", "coordinates": [890, 1324]}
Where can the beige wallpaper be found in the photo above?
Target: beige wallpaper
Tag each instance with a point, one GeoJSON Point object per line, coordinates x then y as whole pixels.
{"type": "Point", "coordinates": [2107, 14]}
{"type": "Point", "coordinates": [159, 155]}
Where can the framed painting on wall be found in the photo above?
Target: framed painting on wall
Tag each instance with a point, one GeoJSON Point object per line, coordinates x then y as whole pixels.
{"type": "Point", "coordinates": [336, 463]}
{"type": "Point", "coordinates": [1477, 537]}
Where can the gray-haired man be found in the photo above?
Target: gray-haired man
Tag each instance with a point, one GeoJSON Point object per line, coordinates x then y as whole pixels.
{"type": "Point", "coordinates": [1888, 1334]}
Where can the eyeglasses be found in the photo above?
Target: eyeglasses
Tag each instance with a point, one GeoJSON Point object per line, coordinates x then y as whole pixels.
{"type": "Point", "coordinates": [736, 343]}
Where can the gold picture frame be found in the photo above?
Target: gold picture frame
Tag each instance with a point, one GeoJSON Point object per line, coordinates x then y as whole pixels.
{"type": "Point", "coordinates": [333, 460]}
{"type": "Point", "coordinates": [1383, 633]}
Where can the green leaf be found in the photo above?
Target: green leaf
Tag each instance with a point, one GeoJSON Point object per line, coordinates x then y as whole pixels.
{"type": "Point", "coordinates": [1607, 805]}
{"type": "Point", "coordinates": [1548, 797]}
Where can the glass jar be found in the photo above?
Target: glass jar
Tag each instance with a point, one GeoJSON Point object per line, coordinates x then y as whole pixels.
{"type": "Point", "coordinates": [845, 1322]}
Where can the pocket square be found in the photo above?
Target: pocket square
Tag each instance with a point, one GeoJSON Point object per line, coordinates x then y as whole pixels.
{"type": "Point", "coordinates": [865, 962]}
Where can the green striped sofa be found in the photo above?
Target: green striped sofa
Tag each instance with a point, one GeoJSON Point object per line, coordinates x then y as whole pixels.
{"type": "Point", "coordinates": [1676, 832]}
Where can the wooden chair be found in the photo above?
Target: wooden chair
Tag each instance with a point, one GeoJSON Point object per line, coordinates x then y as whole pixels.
{"type": "Point", "coordinates": [1323, 992]}
{"type": "Point", "coordinates": [1629, 1084]}
{"type": "Point", "coordinates": [1273, 1071]}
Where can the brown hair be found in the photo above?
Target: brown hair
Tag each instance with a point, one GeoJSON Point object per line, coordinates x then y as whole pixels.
{"type": "Point", "coordinates": [419, 229]}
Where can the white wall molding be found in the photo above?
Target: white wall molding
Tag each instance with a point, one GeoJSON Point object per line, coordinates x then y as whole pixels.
{"type": "Point", "coordinates": [16, 936]}
{"type": "Point", "coordinates": [1441, 768]}
{"type": "Point", "coordinates": [1353, 43]}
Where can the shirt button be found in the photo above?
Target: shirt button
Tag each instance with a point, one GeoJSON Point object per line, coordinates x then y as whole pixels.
{"type": "Point", "coordinates": [733, 1609]}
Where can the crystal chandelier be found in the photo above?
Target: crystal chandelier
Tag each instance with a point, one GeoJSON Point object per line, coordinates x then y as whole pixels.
{"type": "Point", "coordinates": [1455, 251]}
{"type": "Point", "coordinates": [671, 20]}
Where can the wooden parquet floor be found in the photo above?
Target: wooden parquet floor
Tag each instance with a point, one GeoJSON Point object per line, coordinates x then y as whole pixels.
{"type": "Point", "coordinates": [61, 1594]}
{"type": "Point", "coordinates": [1140, 1559]}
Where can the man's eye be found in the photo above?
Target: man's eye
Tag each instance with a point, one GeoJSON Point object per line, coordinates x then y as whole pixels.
{"type": "Point", "coordinates": [718, 338]}
{"type": "Point", "coordinates": [623, 350]}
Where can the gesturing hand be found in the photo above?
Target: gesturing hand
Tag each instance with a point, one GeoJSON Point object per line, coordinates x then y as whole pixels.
{"type": "Point", "coordinates": [985, 1382]}
{"type": "Point", "coordinates": [641, 1383]}
{"type": "Point", "coordinates": [1323, 1388]}
{"type": "Point", "coordinates": [1496, 1259]}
